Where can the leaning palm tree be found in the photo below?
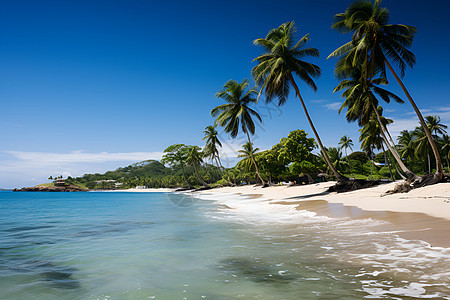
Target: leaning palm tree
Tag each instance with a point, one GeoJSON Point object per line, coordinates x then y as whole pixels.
{"type": "Point", "coordinates": [371, 135]}
{"type": "Point", "coordinates": [194, 158]}
{"type": "Point", "coordinates": [361, 103]}
{"type": "Point", "coordinates": [347, 143]}
{"type": "Point", "coordinates": [212, 144]}
{"type": "Point", "coordinates": [236, 114]}
{"type": "Point", "coordinates": [445, 148]}
{"type": "Point", "coordinates": [374, 43]}
{"type": "Point", "coordinates": [276, 68]}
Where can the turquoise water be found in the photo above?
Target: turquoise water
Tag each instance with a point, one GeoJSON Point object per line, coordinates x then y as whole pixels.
{"type": "Point", "coordinates": [155, 246]}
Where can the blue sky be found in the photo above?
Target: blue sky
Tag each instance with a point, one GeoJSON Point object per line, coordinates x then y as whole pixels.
{"type": "Point", "coordinates": [89, 86]}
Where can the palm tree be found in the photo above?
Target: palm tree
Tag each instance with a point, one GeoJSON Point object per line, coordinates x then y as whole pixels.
{"type": "Point", "coordinates": [422, 147]}
{"type": "Point", "coordinates": [345, 143]}
{"type": "Point", "coordinates": [406, 144]}
{"type": "Point", "coordinates": [361, 104]}
{"type": "Point", "coordinates": [278, 65]}
{"type": "Point", "coordinates": [236, 114]}
{"type": "Point", "coordinates": [374, 43]}
{"type": "Point", "coordinates": [371, 135]}
{"type": "Point", "coordinates": [247, 152]}
{"type": "Point", "coordinates": [335, 155]}
{"type": "Point", "coordinates": [435, 126]}
{"type": "Point", "coordinates": [212, 144]}
{"type": "Point", "coordinates": [231, 175]}
{"type": "Point", "coordinates": [194, 158]}
{"type": "Point", "coordinates": [445, 147]}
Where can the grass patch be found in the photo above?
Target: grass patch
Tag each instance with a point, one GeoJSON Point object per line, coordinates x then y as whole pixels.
{"type": "Point", "coordinates": [81, 185]}
{"type": "Point", "coordinates": [47, 184]}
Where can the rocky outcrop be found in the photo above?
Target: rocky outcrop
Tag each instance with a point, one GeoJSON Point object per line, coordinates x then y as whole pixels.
{"type": "Point", "coordinates": [40, 188]}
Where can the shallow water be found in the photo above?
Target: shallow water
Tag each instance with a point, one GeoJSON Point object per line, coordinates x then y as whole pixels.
{"type": "Point", "coordinates": [160, 246]}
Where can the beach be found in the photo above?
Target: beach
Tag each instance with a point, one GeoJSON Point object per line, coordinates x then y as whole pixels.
{"type": "Point", "coordinates": [422, 213]}
{"type": "Point", "coordinates": [229, 243]}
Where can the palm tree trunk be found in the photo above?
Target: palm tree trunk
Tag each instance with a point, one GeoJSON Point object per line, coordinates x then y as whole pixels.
{"type": "Point", "coordinates": [371, 158]}
{"type": "Point", "coordinates": [399, 173]}
{"type": "Point", "coordinates": [184, 176]}
{"type": "Point", "coordinates": [199, 177]}
{"type": "Point", "coordinates": [338, 176]}
{"type": "Point", "coordinates": [439, 173]}
{"type": "Point", "coordinates": [218, 165]}
{"type": "Point", "coordinates": [254, 162]}
{"type": "Point", "coordinates": [394, 152]}
{"type": "Point", "coordinates": [429, 162]}
{"type": "Point", "coordinates": [348, 160]}
{"type": "Point", "coordinates": [387, 162]}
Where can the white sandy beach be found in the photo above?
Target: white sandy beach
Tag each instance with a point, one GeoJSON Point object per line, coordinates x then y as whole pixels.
{"type": "Point", "coordinates": [432, 200]}
{"type": "Point", "coordinates": [422, 214]}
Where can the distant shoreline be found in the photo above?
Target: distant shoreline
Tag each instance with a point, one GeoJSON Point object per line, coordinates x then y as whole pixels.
{"type": "Point", "coordinates": [150, 190]}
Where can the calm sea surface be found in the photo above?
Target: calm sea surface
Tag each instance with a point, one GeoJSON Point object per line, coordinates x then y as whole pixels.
{"type": "Point", "coordinates": [104, 245]}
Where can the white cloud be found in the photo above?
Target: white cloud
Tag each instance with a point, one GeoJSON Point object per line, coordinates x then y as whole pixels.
{"type": "Point", "coordinates": [333, 105]}
{"type": "Point", "coordinates": [402, 124]}
{"type": "Point", "coordinates": [29, 168]}
{"type": "Point", "coordinates": [412, 122]}
{"type": "Point", "coordinates": [46, 158]}
{"type": "Point", "coordinates": [320, 100]}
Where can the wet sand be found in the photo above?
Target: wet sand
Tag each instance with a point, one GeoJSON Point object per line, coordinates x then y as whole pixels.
{"type": "Point", "coordinates": [411, 226]}
{"type": "Point", "coordinates": [422, 214]}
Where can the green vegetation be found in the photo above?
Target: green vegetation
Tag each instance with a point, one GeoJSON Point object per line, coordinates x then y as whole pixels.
{"type": "Point", "coordinates": [374, 45]}
{"type": "Point", "coordinates": [278, 65]}
{"type": "Point", "coordinates": [236, 113]}
{"type": "Point", "coordinates": [47, 184]}
{"type": "Point", "coordinates": [361, 67]}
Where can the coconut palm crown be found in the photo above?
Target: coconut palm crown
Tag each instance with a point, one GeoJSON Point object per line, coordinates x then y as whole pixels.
{"type": "Point", "coordinates": [236, 113]}
{"type": "Point", "coordinates": [212, 144]}
{"type": "Point", "coordinates": [374, 41]}
{"type": "Point", "coordinates": [374, 45]}
{"type": "Point", "coordinates": [276, 67]}
{"type": "Point", "coordinates": [281, 59]}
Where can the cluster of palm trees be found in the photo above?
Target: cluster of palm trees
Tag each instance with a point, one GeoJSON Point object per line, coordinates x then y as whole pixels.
{"type": "Point", "coordinates": [362, 63]}
{"type": "Point", "coordinates": [180, 156]}
{"type": "Point", "coordinates": [414, 147]}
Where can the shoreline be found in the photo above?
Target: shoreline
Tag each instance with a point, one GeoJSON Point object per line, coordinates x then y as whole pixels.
{"type": "Point", "coordinates": [421, 214]}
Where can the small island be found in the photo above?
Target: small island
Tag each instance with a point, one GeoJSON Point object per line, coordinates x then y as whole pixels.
{"type": "Point", "coordinates": [58, 185]}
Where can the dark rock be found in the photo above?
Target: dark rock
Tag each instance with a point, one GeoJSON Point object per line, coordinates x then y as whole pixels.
{"type": "Point", "coordinates": [352, 185]}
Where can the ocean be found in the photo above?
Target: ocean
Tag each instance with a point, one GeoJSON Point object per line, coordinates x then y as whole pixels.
{"type": "Point", "coordinates": [121, 245]}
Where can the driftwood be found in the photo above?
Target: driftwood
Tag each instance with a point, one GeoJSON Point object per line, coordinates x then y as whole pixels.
{"type": "Point", "coordinates": [352, 185]}
{"type": "Point", "coordinates": [417, 182]}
